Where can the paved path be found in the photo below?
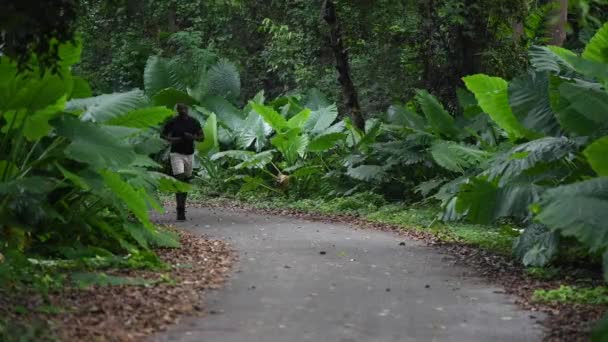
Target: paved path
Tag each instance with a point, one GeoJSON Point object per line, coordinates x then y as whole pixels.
{"type": "Point", "coordinates": [308, 281]}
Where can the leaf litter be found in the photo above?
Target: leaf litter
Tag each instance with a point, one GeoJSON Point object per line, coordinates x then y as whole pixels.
{"type": "Point", "coordinates": [131, 313]}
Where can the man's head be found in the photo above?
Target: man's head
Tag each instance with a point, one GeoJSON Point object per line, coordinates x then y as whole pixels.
{"type": "Point", "coordinates": [182, 109]}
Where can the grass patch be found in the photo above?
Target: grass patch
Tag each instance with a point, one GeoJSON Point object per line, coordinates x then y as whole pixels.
{"type": "Point", "coordinates": [36, 331]}
{"type": "Point", "coordinates": [570, 294]}
{"type": "Point", "coordinates": [543, 273]}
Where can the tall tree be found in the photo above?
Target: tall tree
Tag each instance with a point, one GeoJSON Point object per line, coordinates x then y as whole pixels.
{"type": "Point", "coordinates": [557, 27]}
{"type": "Point", "coordinates": [349, 92]}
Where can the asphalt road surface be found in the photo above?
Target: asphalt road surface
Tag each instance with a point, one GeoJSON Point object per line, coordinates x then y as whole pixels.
{"type": "Point", "coordinates": [308, 281]}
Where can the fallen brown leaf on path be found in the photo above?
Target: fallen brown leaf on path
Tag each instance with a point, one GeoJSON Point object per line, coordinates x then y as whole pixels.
{"type": "Point", "coordinates": [130, 313]}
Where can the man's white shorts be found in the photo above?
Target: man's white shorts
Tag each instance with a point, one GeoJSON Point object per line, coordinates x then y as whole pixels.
{"type": "Point", "coordinates": [182, 164]}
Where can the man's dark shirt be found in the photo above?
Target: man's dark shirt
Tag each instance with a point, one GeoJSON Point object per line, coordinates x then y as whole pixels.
{"type": "Point", "coordinates": [176, 127]}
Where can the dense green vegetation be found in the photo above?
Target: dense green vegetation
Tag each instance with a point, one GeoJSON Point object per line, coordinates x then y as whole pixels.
{"type": "Point", "coordinates": [77, 179]}
{"type": "Point", "coordinates": [476, 128]}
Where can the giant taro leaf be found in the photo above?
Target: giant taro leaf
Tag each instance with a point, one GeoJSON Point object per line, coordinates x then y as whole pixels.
{"type": "Point", "coordinates": [439, 119]}
{"type": "Point", "coordinates": [597, 48]}
{"type": "Point", "coordinates": [325, 142]}
{"type": "Point", "coordinates": [457, 157]}
{"type": "Point", "coordinates": [581, 109]}
{"type": "Point", "coordinates": [529, 155]}
{"type": "Point", "coordinates": [579, 210]}
{"type": "Point", "coordinates": [210, 143]}
{"type": "Point", "coordinates": [315, 100]}
{"type": "Point", "coordinates": [402, 116]}
{"type": "Point", "coordinates": [103, 108]}
{"type": "Point", "coordinates": [227, 114]}
{"type": "Point", "coordinates": [536, 246]}
{"type": "Point", "coordinates": [141, 118]}
{"type": "Point", "coordinates": [493, 97]}
{"type": "Point", "coordinates": [321, 119]}
{"type": "Point", "coordinates": [171, 97]}
{"type": "Point", "coordinates": [597, 156]}
{"type": "Point", "coordinates": [93, 145]}
{"type": "Point", "coordinates": [156, 76]}
{"type": "Point", "coordinates": [529, 99]}
{"type": "Point", "coordinates": [224, 80]}
{"type": "Point", "coordinates": [254, 131]}
{"type": "Point", "coordinates": [271, 116]}
{"type": "Point", "coordinates": [292, 144]}
{"type": "Point", "coordinates": [483, 201]}
{"type": "Point", "coordinates": [131, 197]}
{"type": "Point", "coordinates": [367, 173]}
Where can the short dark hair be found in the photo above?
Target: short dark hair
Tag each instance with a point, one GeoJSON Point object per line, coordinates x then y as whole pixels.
{"type": "Point", "coordinates": [182, 107]}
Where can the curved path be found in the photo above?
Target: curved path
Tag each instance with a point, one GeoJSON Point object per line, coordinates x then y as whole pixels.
{"type": "Point", "coordinates": [308, 281]}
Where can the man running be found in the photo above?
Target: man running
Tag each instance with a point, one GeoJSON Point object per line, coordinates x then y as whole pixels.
{"type": "Point", "coordinates": [181, 131]}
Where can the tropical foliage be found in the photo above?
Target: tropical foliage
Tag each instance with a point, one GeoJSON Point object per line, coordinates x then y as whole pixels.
{"type": "Point", "coordinates": [77, 177]}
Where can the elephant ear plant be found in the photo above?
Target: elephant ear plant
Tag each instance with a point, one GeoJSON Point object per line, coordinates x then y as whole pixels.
{"type": "Point", "coordinates": [76, 178]}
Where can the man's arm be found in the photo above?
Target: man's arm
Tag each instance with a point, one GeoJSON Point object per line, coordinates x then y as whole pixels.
{"type": "Point", "coordinates": [166, 134]}
{"type": "Point", "coordinates": [198, 135]}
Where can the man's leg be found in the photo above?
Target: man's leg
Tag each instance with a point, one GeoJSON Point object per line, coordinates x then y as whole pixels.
{"type": "Point", "coordinates": [178, 168]}
{"type": "Point", "coordinates": [186, 177]}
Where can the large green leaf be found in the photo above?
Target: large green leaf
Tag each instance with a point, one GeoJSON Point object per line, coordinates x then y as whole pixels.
{"type": "Point", "coordinates": [249, 160]}
{"type": "Point", "coordinates": [597, 156]}
{"type": "Point", "coordinates": [233, 154]}
{"type": "Point", "coordinates": [537, 246]}
{"type": "Point", "coordinates": [92, 144]}
{"type": "Point", "coordinates": [581, 109]}
{"type": "Point", "coordinates": [170, 97]}
{"type": "Point", "coordinates": [439, 119]}
{"type": "Point", "coordinates": [325, 142]}
{"type": "Point", "coordinates": [589, 68]}
{"type": "Point", "coordinates": [530, 102]}
{"type": "Point", "coordinates": [30, 92]}
{"type": "Point", "coordinates": [579, 210]}
{"type": "Point", "coordinates": [105, 107]}
{"type": "Point", "coordinates": [315, 100]}
{"type": "Point", "coordinates": [530, 155]}
{"type": "Point", "coordinates": [367, 173]}
{"type": "Point", "coordinates": [141, 118]}
{"type": "Point", "coordinates": [130, 196]}
{"type": "Point", "coordinates": [457, 157]}
{"type": "Point", "coordinates": [272, 117]}
{"type": "Point", "coordinates": [292, 144]}
{"type": "Point", "coordinates": [37, 124]}
{"type": "Point", "coordinates": [298, 120]}
{"type": "Point", "coordinates": [254, 131]}
{"type": "Point", "coordinates": [210, 144]}
{"type": "Point", "coordinates": [80, 89]}
{"type": "Point", "coordinates": [156, 75]}
{"type": "Point", "coordinates": [483, 201]}
{"type": "Point", "coordinates": [597, 48]}
{"type": "Point", "coordinates": [256, 161]}
{"type": "Point", "coordinates": [321, 119]}
{"type": "Point", "coordinates": [224, 80]}
{"type": "Point", "coordinates": [551, 59]}
{"type": "Point", "coordinates": [227, 114]}
{"type": "Point", "coordinates": [400, 115]}
{"type": "Point", "coordinates": [493, 97]}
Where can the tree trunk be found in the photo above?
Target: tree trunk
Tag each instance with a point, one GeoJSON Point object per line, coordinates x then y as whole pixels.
{"type": "Point", "coordinates": [171, 17]}
{"type": "Point", "coordinates": [429, 25]}
{"type": "Point", "coordinates": [349, 92]}
{"type": "Point", "coordinates": [557, 28]}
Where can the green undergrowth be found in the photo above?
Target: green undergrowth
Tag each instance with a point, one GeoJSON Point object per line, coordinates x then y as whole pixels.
{"type": "Point", "coordinates": [373, 207]}
{"type": "Point", "coordinates": [574, 295]}
{"type": "Point", "coordinates": [25, 275]}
